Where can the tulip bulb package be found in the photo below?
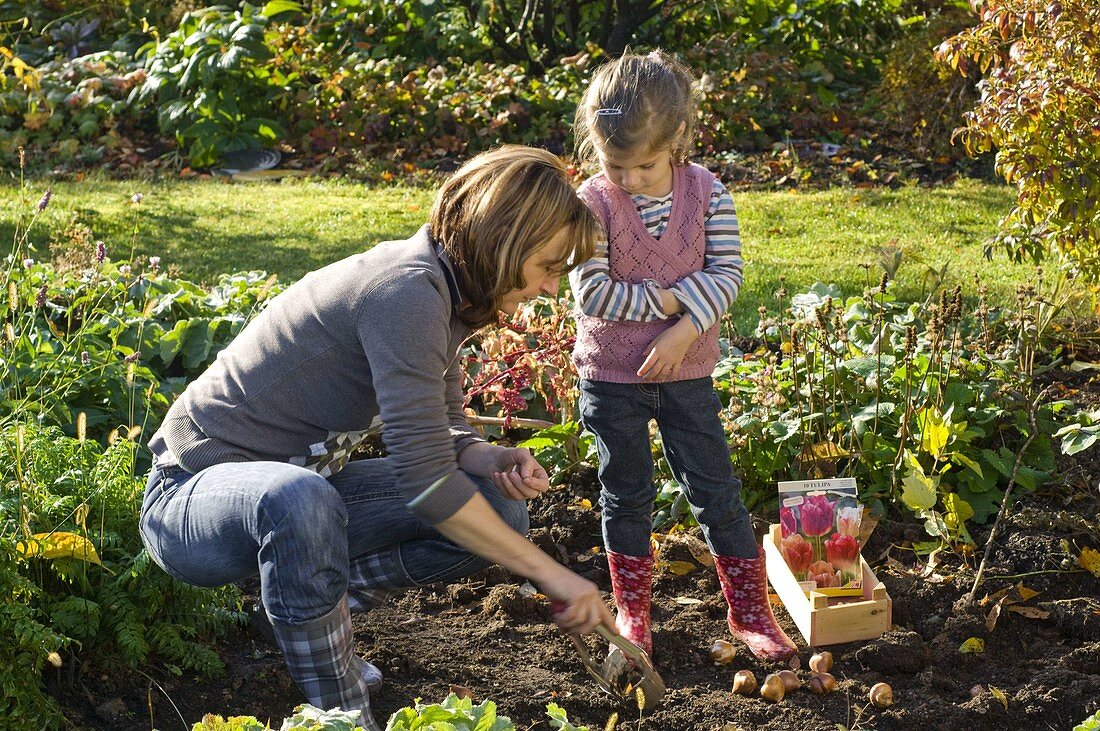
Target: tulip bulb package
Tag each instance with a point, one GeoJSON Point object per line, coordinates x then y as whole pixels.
{"type": "Point", "coordinates": [820, 522]}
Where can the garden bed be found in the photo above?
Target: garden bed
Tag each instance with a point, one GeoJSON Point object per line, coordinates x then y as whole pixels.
{"type": "Point", "coordinates": [1040, 665]}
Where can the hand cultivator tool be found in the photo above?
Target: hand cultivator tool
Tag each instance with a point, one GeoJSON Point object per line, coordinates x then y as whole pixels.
{"type": "Point", "coordinates": [627, 672]}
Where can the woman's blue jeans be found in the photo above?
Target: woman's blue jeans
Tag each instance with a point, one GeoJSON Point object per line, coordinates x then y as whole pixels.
{"type": "Point", "coordinates": [308, 537]}
{"type": "Point", "coordinates": [695, 446]}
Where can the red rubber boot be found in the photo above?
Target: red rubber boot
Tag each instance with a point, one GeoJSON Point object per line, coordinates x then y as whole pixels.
{"type": "Point", "coordinates": [750, 618]}
{"type": "Point", "coordinates": [632, 582]}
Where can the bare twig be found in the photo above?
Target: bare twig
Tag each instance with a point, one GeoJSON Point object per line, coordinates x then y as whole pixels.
{"type": "Point", "coordinates": [515, 422]}
{"type": "Point", "coordinates": [1031, 409]}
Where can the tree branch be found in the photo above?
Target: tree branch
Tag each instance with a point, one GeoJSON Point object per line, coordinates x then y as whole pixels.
{"type": "Point", "coordinates": [1031, 409]}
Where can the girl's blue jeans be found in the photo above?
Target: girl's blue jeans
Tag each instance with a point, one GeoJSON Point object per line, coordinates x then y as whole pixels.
{"type": "Point", "coordinates": [309, 538]}
{"type": "Point", "coordinates": [695, 446]}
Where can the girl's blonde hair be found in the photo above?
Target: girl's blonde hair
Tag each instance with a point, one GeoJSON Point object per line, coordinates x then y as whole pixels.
{"type": "Point", "coordinates": [638, 101]}
{"type": "Point", "coordinates": [497, 210]}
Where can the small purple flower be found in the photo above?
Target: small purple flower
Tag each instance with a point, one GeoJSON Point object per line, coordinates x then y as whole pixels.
{"type": "Point", "coordinates": [45, 201]}
{"type": "Point", "coordinates": [137, 198]}
{"type": "Point", "coordinates": [85, 358]}
{"type": "Point", "coordinates": [100, 252]}
{"type": "Point", "coordinates": [40, 298]}
{"type": "Point", "coordinates": [133, 357]}
{"type": "Point", "coordinates": [28, 263]}
{"type": "Point", "coordinates": [154, 263]}
{"type": "Point", "coordinates": [124, 270]}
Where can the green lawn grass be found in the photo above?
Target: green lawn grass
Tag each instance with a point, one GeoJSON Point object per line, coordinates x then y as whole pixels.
{"type": "Point", "coordinates": [208, 227]}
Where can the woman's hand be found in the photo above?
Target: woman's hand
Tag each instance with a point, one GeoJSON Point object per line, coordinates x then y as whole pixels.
{"type": "Point", "coordinates": [478, 528]}
{"type": "Point", "coordinates": [577, 604]}
{"type": "Point", "coordinates": [518, 475]}
{"type": "Point", "coordinates": [666, 353]}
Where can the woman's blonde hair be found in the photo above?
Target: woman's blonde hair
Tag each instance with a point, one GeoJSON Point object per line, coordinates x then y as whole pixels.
{"type": "Point", "coordinates": [496, 211]}
{"type": "Point", "coordinates": [636, 102]}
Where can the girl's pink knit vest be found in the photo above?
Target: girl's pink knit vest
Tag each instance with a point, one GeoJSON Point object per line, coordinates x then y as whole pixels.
{"type": "Point", "coordinates": [609, 350]}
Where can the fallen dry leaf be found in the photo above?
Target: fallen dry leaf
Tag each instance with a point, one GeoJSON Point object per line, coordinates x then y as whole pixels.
{"type": "Point", "coordinates": [1030, 612]}
{"type": "Point", "coordinates": [994, 614]}
{"type": "Point", "coordinates": [1090, 561]}
{"type": "Point", "coordinates": [999, 695]}
{"type": "Point", "coordinates": [680, 568]}
{"type": "Point", "coordinates": [461, 691]}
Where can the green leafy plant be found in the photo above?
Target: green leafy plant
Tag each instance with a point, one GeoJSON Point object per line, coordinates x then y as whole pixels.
{"type": "Point", "coordinates": [460, 714]}
{"type": "Point", "coordinates": [922, 402]}
{"type": "Point", "coordinates": [925, 403]}
{"type": "Point", "coordinates": [113, 341]}
{"type": "Point", "coordinates": [78, 582]}
{"type": "Point", "coordinates": [523, 364]}
{"type": "Point", "coordinates": [74, 107]}
{"type": "Point", "coordinates": [1039, 109]}
{"type": "Point", "coordinates": [212, 722]}
{"type": "Point", "coordinates": [80, 590]}
{"type": "Point", "coordinates": [920, 96]}
{"type": "Point", "coordinates": [212, 88]}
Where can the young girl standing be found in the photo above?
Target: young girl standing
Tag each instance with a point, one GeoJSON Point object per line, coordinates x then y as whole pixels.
{"type": "Point", "coordinates": [647, 338]}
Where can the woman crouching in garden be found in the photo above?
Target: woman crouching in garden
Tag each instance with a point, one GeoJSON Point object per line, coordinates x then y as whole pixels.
{"type": "Point", "coordinates": [251, 472]}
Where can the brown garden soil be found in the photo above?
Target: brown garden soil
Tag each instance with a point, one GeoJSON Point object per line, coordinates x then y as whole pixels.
{"type": "Point", "coordinates": [1040, 668]}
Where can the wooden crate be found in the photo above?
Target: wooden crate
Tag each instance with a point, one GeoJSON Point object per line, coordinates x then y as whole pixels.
{"type": "Point", "coordinates": [824, 620]}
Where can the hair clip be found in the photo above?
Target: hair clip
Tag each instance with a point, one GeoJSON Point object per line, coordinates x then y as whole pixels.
{"type": "Point", "coordinates": [608, 112]}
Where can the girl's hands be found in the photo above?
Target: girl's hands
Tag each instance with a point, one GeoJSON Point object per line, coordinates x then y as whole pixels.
{"type": "Point", "coordinates": [518, 475]}
{"type": "Point", "coordinates": [666, 353]}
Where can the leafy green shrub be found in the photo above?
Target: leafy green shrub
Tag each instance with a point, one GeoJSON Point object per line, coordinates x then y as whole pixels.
{"type": "Point", "coordinates": [110, 340]}
{"type": "Point", "coordinates": [920, 96]}
{"type": "Point", "coordinates": [840, 43]}
{"type": "Point", "coordinates": [77, 391]}
{"type": "Point", "coordinates": [1040, 111]}
{"type": "Point", "coordinates": [925, 403]}
{"type": "Point", "coordinates": [453, 108]}
{"type": "Point", "coordinates": [78, 581]}
{"type": "Point", "coordinates": [750, 99]}
{"type": "Point", "coordinates": [410, 80]}
{"type": "Point", "coordinates": [523, 365]}
{"type": "Point", "coordinates": [213, 90]}
{"type": "Point", "coordinates": [29, 643]}
{"type": "Point", "coordinates": [66, 107]}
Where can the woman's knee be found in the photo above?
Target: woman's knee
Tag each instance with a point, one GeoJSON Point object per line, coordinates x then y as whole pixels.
{"type": "Point", "coordinates": [303, 499]}
{"type": "Point", "coordinates": [514, 513]}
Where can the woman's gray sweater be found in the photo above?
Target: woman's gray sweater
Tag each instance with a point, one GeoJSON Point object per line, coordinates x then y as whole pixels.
{"type": "Point", "coordinates": [372, 339]}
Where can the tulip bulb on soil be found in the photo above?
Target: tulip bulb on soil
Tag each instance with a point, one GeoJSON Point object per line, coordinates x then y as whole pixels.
{"type": "Point", "coordinates": [882, 695]}
{"type": "Point", "coordinates": [744, 682]}
{"type": "Point", "coordinates": [822, 662]}
{"type": "Point", "coordinates": [790, 680]}
{"type": "Point", "coordinates": [822, 684]}
{"type": "Point", "coordinates": [773, 688]}
{"type": "Point", "coordinates": [721, 652]}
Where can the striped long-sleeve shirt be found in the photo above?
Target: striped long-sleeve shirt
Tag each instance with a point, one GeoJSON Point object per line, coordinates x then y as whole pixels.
{"type": "Point", "coordinates": [704, 295]}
